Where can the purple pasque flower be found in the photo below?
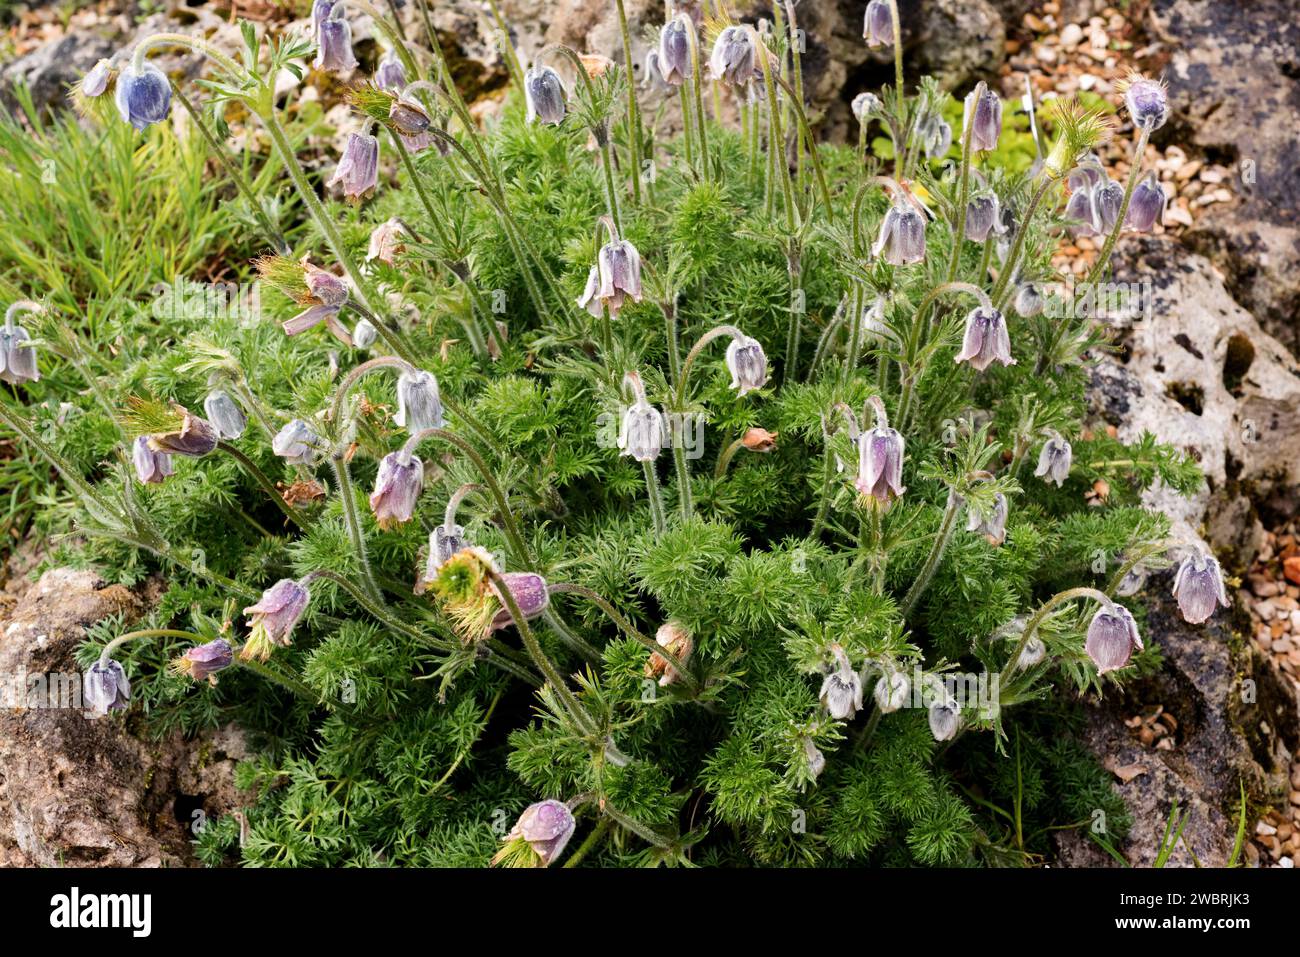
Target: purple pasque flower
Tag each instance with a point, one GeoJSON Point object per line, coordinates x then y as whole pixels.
{"type": "Point", "coordinates": [398, 485]}
{"type": "Point", "coordinates": [902, 236]}
{"type": "Point", "coordinates": [544, 96]}
{"type": "Point", "coordinates": [934, 134]}
{"type": "Point", "coordinates": [675, 51]}
{"type": "Point", "coordinates": [1199, 588]}
{"type": "Point", "coordinates": [272, 619]}
{"type": "Point", "coordinates": [1112, 638]}
{"type": "Point", "coordinates": [878, 24]}
{"type": "Point", "coordinates": [151, 466]}
{"type": "Point", "coordinates": [642, 433]}
{"type": "Point", "coordinates": [982, 118]}
{"type": "Point", "coordinates": [333, 36]}
{"type": "Point", "coordinates": [143, 96]}
{"type": "Point", "coordinates": [105, 688]}
{"type": "Point", "coordinates": [327, 294]}
{"type": "Point", "coordinates": [992, 524]}
{"type": "Point", "coordinates": [17, 357]}
{"type": "Point", "coordinates": [358, 169]}
{"type": "Point", "coordinates": [1147, 204]}
{"type": "Point", "coordinates": [203, 662]}
{"type": "Point", "coordinates": [615, 278]}
{"type": "Point", "coordinates": [225, 415]}
{"type": "Point", "coordinates": [546, 828]}
{"type": "Point", "coordinates": [841, 691]}
{"type": "Point", "coordinates": [1107, 200]}
{"type": "Point", "coordinates": [747, 364]}
{"type": "Point", "coordinates": [419, 403]}
{"type": "Point", "coordinates": [194, 438]}
{"type": "Point", "coordinates": [982, 216]}
{"type": "Point", "coordinates": [297, 444]}
{"type": "Point", "coordinates": [530, 592]}
{"type": "Point", "coordinates": [986, 340]}
{"type": "Point", "coordinates": [1147, 102]}
{"type": "Point", "coordinates": [880, 464]}
{"type": "Point", "coordinates": [1054, 461]}
{"type": "Point", "coordinates": [390, 75]}
{"type": "Point", "coordinates": [95, 82]}
{"type": "Point", "coordinates": [733, 59]}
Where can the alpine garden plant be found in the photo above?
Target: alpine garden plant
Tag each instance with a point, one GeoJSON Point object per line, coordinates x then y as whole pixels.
{"type": "Point", "coordinates": [604, 496]}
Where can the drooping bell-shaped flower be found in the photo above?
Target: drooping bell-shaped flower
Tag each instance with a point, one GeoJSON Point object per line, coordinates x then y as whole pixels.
{"type": "Point", "coordinates": [539, 836]}
{"type": "Point", "coordinates": [144, 96]}
{"type": "Point", "coordinates": [992, 524]}
{"type": "Point", "coordinates": [747, 365]}
{"type": "Point", "coordinates": [530, 592]}
{"type": "Point", "coordinates": [1032, 654]}
{"type": "Point", "coordinates": [982, 118]}
{"type": "Point", "coordinates": [986, 340]}
{"type": "Point", "coordinates": [227, 418]}
{"type": "Point", "coordinates": [444, 541]}
{"type": "Point", "coordinates": [1147, 205]}
{"type": "Point", "coordinates": [1107, 199]}
{"type": "Point", "coordinates": [934, 134]}
{"type": "Point", "coordinates": [880, 464]}
{"type": "Point", "coordinates": [733, 60]}
{"type": "Point", "coordinates": [193, 438]}
{"type": "Point", "coordinates": [1112, 638]}
{"type": "Point", "coordinates": [618, 271]}
{"type": "Point", "coordinates": [398, 485]}
{"type": "Point", "coordinates": [1147, 102]}
{"type": "Point", "coordinates": [814, 760]}
{"type": "Point", "coordinates": [272, 619]}
{"type": "Point", "coordinates": [334, 42]}
{"type": "Point", "coordinates": [1134, 580]}
{"type": "Point", "coordinates": [151, 467]}
{"type": "Point", "coordinates": [865, 105]}
{"type": "Point", "coordinates": [1054, 461]}
{"type": "Point", "coordinates": [364, 334]}
{"type": "Point", "coordinates": [677, 641]}
{"type": "Point", "coordinates": [203, 662]}
{"type": "Point", "coordinates": [878, 24]}
{"type": "Point", "coordinates": [892, 691]}
{"type": "Point", "coordinates": [675, 51]}
{"type": "Point", "coordinates": [419, 403]}
{"type": "Point", "coordinates": [390, 75]}
{"type": "Point", "coordinates": [945, 717]}
{"type": "Point", "coordinates": [358, 169]}
{"type": "Point", "coordinates": [104, 687]}
{"type": "Point", "coordinates": [544, 96]}
{"type": "Point", "coordinates": [1029, 300]}
{"type": "Point", "coordinates": [297, 444]}
{"type": "Point", "coordinates": [17, 355]}
{"type": "Point", "coordinates": [386, 241]}
{"type": "Point", "coordinates": [902, 236]}
{"type": "Point", "coordinates": [841, 692]}
{"type": "Point", "coordinates": [981, 217]}
{"type": "Point", "coordinates": [642, 433]}
{"type": "Point", "coordinates": [1198, 586]}
{"type": "Point", "coordinates": [95, 82]}
{"type": "Point", "coordinates": [1082, 211]}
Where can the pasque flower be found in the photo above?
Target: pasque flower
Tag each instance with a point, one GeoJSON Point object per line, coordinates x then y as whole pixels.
{"type": "Point", "coordinates": [615, 278]}
{"type": "Point", "coordinates": [1198, 586]}
{"type": "Point", "coordinates": [892, 690]}
{"type": "Point", "coordinates": [419, 403]}
{"type": "Point", "coordinates": [193, 437]}
{"type": "Point", "coordinates": [333, 38]}
{"type": "Point", "coordinates": [1054, 461]}
{"type": "Point", "coordinates": [880, 461]}
{"type": "Point", "coordinates": [986, 340]}
{"type": "Point", "coordinates": [95, 82]}
{"type": "Point", "coordinates": [642, 433]}
{"type": "Point", "coordinates": [675, 51]}
{"type": "Point", "coordinates": [878, 24]}
{"type": "Point", "coordinates": [544, 95]}
{"type": "Point", "coordinates": [982, 118]}
{"type": "Point", "coordinates": [272, 619]}
{"type": "Point", "coordinates": [17, 355]}
{"type": "Point", "coordinates": [203, 662]}
{"type": "Point", "coordinates": [144, 96]}
{"type": "Point", "coordinates": [1107, 200]}
{"type": "Point", "coordinates": [945, 717]}
{"type": "Point", "coordinates": [151, 466]}
{"type": "Point", "coordinates": [902, 236]}
{"type": "Point", "coordinates": [390, 75]}
{"type": "Point", "coordinates": [530, 592]}
{"type": "Point", "coordinates": [409, 116]}
{"type": "Point", "coordinates": [733, 60]}
{"type": "Point", "coordinates": [1029, 300]}
{"type": "Point", "coordinates": [934, 135]}
{"type": "Point", "coordinates": [747, 364]}
{"type": "Point", "coordinates": [386, 241]}
{"type": "Point", "coordinates": [297, 443]}
{"type": "Point", "coordinates": [104, 687]}
{"type": "Point", "coordinates": [227, 418]}
{"type": "Point", "coordinates": [677, 640]}
{"type": "Point", "coordinates": [358, 169]}
{"type": "Point", "coordinates": [864, 105]}
{"type": "Point", "coordinates": [398, 485]}
{"type": "Point", "coordinates": [981, 216]}
{"type": "Point", "coordinates": [1112, 638]}
{"type": "Point", "coordinates": [1147, 205]}
{"type": "Point", "coordinates": [991, 523]}
{"type": "Point", "coordinates": [539, 836]}
{"type": "Point", "coordinates": [1147, 102]}
{"type": "Point", "coordinates": [325, 298]}
{"type": "Point", "coordinates": [841, 692]}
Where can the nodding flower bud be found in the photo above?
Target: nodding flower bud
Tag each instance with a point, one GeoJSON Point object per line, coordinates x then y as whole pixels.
{"type": "Point", "coordinates": [902, 236]}
{"type": "Point", "coordinates": [398, 485]}
{"type": "Point", "coordinates": [865, 105]}
{"type": "Point", "coordinates": [364, 334]}
{"type": "Point", "coordinates": [203, 662]}
{"type": "Point", "coordinates": [733, 60]}
{"type": "Point", "coordinates": [408, 116]}
{"type": "Point", "coordinates": [991, 524]}
{"type": "Point", "coordinates": [880, 464]}
{"type": "Point", "coordinates": [643, 433]}
{"type": "Point", "coordinates": [986, 340]}
{"type": "Point", "coordinates": [814, 760]}
{"type": "Point", "coordinates": [297, 443]}
{"type": "Point", "coordinates": [444, 541]}
{"type": "Point", "coordinates": [539, 836]}
{"type": "Point", "coordinates": [841, 693]}
{"type": "Point", "coordinates": [105, 688]}
{"type": "Point", "coordinates": [945, 717]}
{"type": "Point", "coordinates": [194, 438]}
{"type": "Point", "coordinates": [390, 75]}
{"type": "Point", "coordinates": [675, 51]}
{"type": "Point", "coordinates": [227, 418]}
{"type": "Point", "coordinates": [1198, 586]}
{"type": "Point", "coordinates": [1032, 654]}
{"type": "Point", "coordinates": [143, 97]}
{"type": "Point", "coordinates": [934, 135]}
{"type": "Point", "coordinates": [677, 640]}
{"type": "Point", "coordinates": [271, 621]}
{"type": "Point", "coordinates": [1134, 580]}
{"type": "Point", "coordinates": [982, 118]}
{"type": "Point", "coordinates": [1107, 199]}
{"type": "Point", "coordinates": [544, 95]}
{"type": "Point", "coordinates": [95, 82]}
{"type": "Point", "coordinates": [615, 278]}
{"type": "Point", "coordinates": [1112, 638]}
{"type": "Point", "coordinates": [1054, 461]}
{"type": "Point", "coordinates": [747, 364]}
{"type": "Point", "coordinates": [17, 356]}
{"type": "Point", "coordinates": [530, 592]}
{"type": "Point", "coordinates": [333, 42]}
{"type": "Point", "coordinates": [386, 242]}
{"type": "Point", "coordinates": [981, 217]}
{"type": "Point", "coordinates": [652, 75]}
{"type": "Point", "coordinates": [1029, 300]}
{"type": "Point", "coordinates": [419, 404]}
{"type": "Point", "coordinates": [1082, 210]}
{"type": "Point", "coordinates": [1147, 102]}
{"type": "Point", "coordinates": [358, 169]}
{"type": "Point", "coordinates": [1147, 205]}
{"type": "Point", "coordinates": [891, 691]}
{"type": "Point", "coordinates": [878, 24]}
{"type": "Point", "coordinates": [151, 466]}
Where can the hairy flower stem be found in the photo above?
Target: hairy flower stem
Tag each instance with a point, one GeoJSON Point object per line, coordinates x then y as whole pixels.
{"type": "Point", "coordinates": [265, 483]}
{"type": "Point", "coordinates": [343, 479]}
{"type": "Point", "coordinates": [591, 841]}
{"type": "Point", "coordinates": [673, 340]}
{"type": "Point", "coordinates": [696, 83]}
{"type": "Point", "coordinates": [634, 134]}
{"type": "Point", "coordinates": [946, 527]}
{"type": "Point", "coordinates": [1032, 625]}
{"type": "Point", "coordinates": [824, 504]}
{"type": "Point", "coordinates": [855, 338]}
{"type": "Point", "coordinates": [273, 234]}
{"type": "Point", "coordinates": [571, 638]}
{"type": "Point", "coordinates": [794, 331]}
{"type": "Point", "coordinates": [1022, 230]}
{"type": "Point", "coordinates": [648, 834]}
{"type": "Point", "coordinates": [1135, 173]}
{"type": "Point", "coordinates": [611, 191]}
{"type": "Point", "coordinates": [684, 501]}
{"type": "Point", "coordinates": [688, 129]}
{"type": "Point", "coordinates": [725, 455]}
{"type": "Point", "coordinates": [901, 109]}
{"type": "Point", "coordinates": [963, 198]}
{"type": "Point", "coordinates": [656, 498]}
